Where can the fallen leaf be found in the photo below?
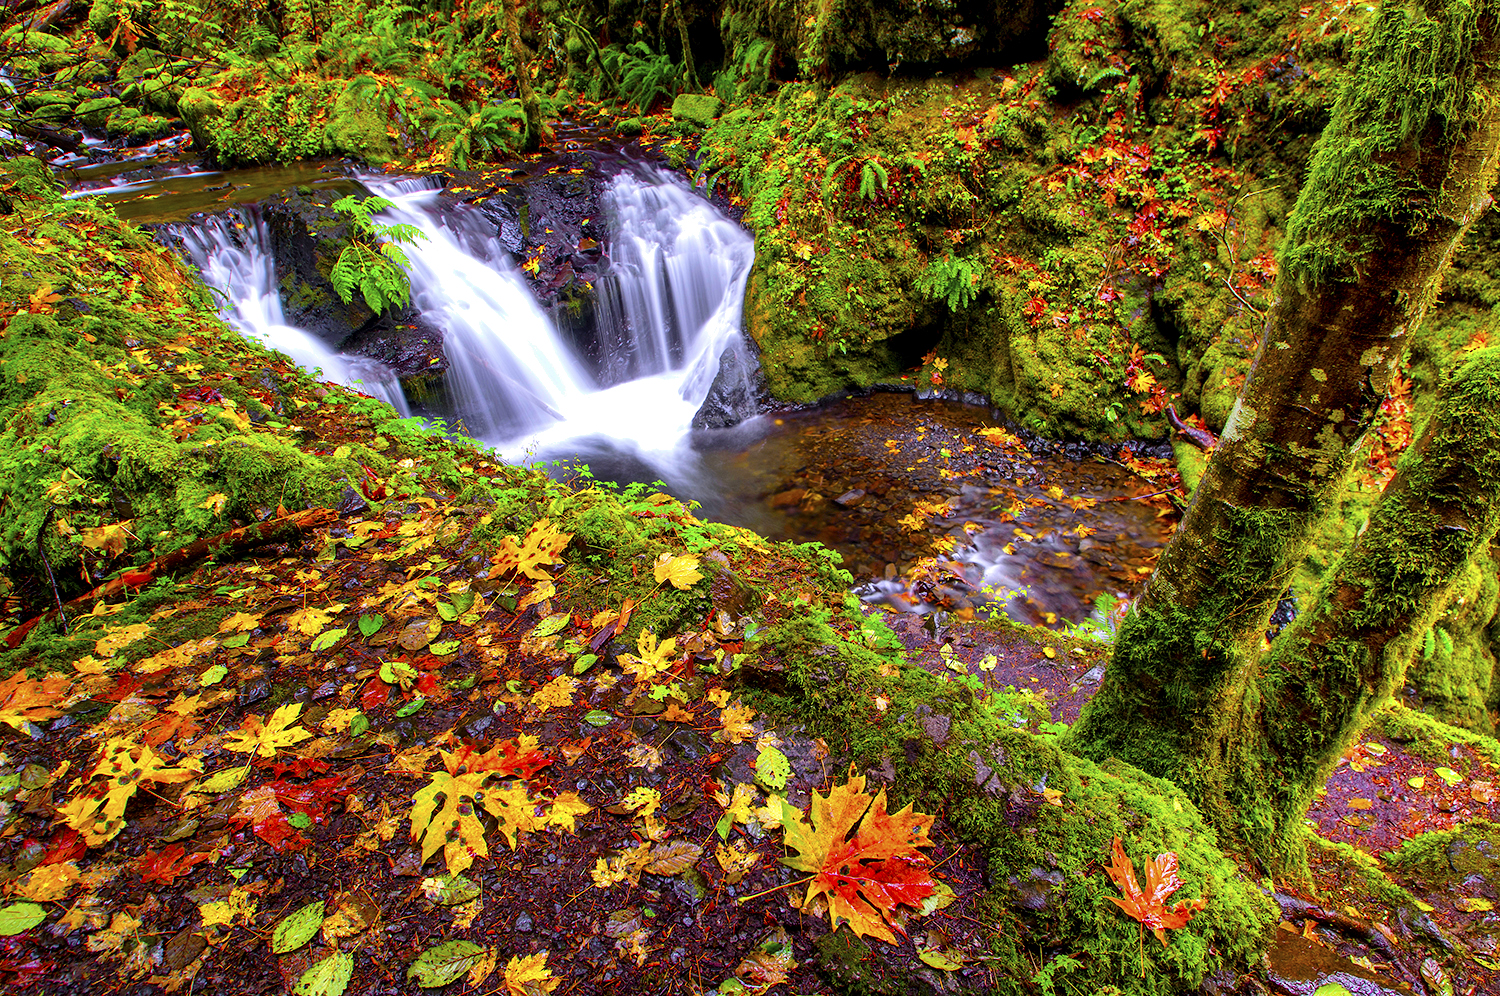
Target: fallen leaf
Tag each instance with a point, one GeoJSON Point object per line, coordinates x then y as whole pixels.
{"type": "Point", "coordinates": [529, 976]}
{"type": "Point", "coordinates": [680, 572]}
{"type": "Point", "coordinates": [863, 859]}
{"type": "Point", "coordinates": [1149, 907]}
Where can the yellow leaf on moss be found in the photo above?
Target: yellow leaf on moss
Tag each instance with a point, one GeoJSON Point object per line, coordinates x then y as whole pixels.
{"type": "Point", "coordinates": [117, 638]}
{"type": "Point", "coordinates": [680, 572]}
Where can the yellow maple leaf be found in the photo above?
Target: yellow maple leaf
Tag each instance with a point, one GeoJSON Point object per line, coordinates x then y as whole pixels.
{"type": "Point", "coordinates": [23, 700]}
{"type": "Point", "coordinates": [266, 738]}
{"type": "Point", "coordinates": [118, 637]}
{"type": "Point", "coordinates": [42, 299]}
{"type": "Point", "coordinates": [1055, 389]}
{"type": "Point", "coordinates": [863, 859]}
{"type": "Point", "coordinates": [651, 658]}
{"type": "Point", "coordinates": [122, 927]}
{"type": "Point", "coordinates": [565, 809]}
{"type": "Point", "coordinates": [530, 976]}
{"type": "Point", "coordinates": [736, 723]}
{"type": "Point", "coordinates": [49, 883]}
{"type": "Point", "coordinates": [310, 621]}
{"type": "Point", "coordinates": [126, 766]}
{"type": "Point", "coordinates": [557, 692]}
{"type": "Point", "coordinates": [239, 622]}
{"type": "Point", "coordinates": [542, 547]}
{"type": "Point", "coordinates": [735, 862]}
{"type": "Point", "coordinates": [239, 905]}
{"type": "Point", "coordinates": [515, 811]}
{"type": "Point", "coordinates": [109, 540]}
{"type": "Point", "coordinates": [739, 807]}
{"type": "Point", "coordinates": [680, 572]}
{"type": "Point", "coordinates": [450, 826]}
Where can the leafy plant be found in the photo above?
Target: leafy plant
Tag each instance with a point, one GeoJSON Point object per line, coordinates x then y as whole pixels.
{"type": "Point", "coordinates": [645, 78]}
{"type": "Point", "coordinates": [372, 263]}
{"type": "Point", "coordinates": [481, 129]}
{"type": "Point", "coordinates": [954, 280]}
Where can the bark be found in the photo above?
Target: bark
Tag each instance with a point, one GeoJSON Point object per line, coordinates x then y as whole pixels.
{"type": "Point", "coordinates": [529, 103]}
{"type": "Point", "coordinates": [1401, 172]}
{"type": "Point", "coordinates": [1345, 656]}
{"type": "Point", "coordinates": [689, 73]}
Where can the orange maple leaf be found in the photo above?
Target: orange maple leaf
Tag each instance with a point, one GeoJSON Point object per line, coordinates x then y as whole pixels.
{"type": "Point", "coordinates": [864, 859]}
{"type": "Point", "coordinates": [1150, 907]}
{"type": "Point", "coordinates": [23, 700]}
{"type": "Point", "coordinates": [542, 547]}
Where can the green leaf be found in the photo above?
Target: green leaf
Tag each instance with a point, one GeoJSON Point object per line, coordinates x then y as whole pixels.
{"type": "Point", "coordinates": [398, 673]}
{"type": "Point", "coordinates": [327, 639]}
{"type": "Point", "coordinates": [939, 959]}
{"type": "Point", "coordinates": [236, 640]}
{"type": "Point", "coordinates": [213, 675]}
{"type": "Point", "coordinates": [410, 707]}
{"type": "Point", "coordinates": [440, 965]}
{"type": "Point", "coordinates": [585, 662]}
{"type": "Point", "coordinates": [329, 977]}
{"type": "Point", "coordinates": [359, 725]}
{"type": "Point", "coordinates": [298, 928]}
{"type": "Point", "coordinates": [1331, 989]}
{"type": "Point", "coordinates": [551, 625]}
{"type": "Point", "coordinates": [450, 890]}
{"type": "Point", "coordinates": [299, 820]}
{"type": "Point", "coordinates": [370, 624]}
{"type": "Point", "coordinates": [19, 917]}
{"type": "Point", "coordinates": [448, 612]}
{"type": "Point", "coordinates": [1448, 775]}
{"type": "Point", "coordinates": [772, 769]}
{"type": "Point", "coordinates": [445, 647]}
{"type": "Point", "coordinates": [597, 717]}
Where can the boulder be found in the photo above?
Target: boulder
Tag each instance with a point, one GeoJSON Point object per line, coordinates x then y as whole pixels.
{"type": "Point", "coordinates": [696, 108]}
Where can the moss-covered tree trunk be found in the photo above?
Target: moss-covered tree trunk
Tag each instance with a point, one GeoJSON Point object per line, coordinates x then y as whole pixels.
{"type": "Point", "coordinates": [1349, 651]}
{"type": "Point", "coordinates": [1402, 170]}
{"type": "Point", "coordinates": [529, 103]}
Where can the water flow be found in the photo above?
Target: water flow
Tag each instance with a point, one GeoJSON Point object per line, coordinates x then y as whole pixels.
{"type": "Point", "coordinates": [508, 370]}
{"type": "Point", "coordinates": [233, 253]}
{"type": "Point", "coordinates": [670, 311]}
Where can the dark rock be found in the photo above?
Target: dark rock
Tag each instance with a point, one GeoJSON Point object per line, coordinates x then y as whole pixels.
{"type": "Point", "coordinates": [739, 390]}
{"type": "Point", "coordinates": [851, 498]}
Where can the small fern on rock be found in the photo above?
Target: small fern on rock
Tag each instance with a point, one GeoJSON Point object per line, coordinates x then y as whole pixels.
{"type": "Point", "coordinates": [372, 264]}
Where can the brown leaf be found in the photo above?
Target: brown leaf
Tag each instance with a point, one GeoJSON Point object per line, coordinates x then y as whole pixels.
{"type": "Point", "coordinates": [1149, 907]}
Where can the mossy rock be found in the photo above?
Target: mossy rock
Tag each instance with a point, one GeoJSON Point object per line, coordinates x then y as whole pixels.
{"type": "Point", "coordinates": [357, 130]}
{"type": "Point", "coordinates": [199, 107]}
{"type": "Point", "coordinates": [38, 99]}
{"type": "Point", "coordinates": [136, 127]}
{"type": "Point", "coordinates": [94, 113]}
{"type": "Point", "coordinates": [696, 108]}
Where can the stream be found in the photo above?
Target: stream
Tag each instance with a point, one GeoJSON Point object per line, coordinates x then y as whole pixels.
{"type": "Point", "coordinates": [932, 504]}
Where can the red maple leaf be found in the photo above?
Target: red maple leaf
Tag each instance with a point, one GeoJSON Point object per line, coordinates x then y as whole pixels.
{"type": "Point", "coordinates": [1150, 907]}
{"type": "Point", "coordinates": [171, 861]}
{"type": "Point", "coordinates": [519, 760]}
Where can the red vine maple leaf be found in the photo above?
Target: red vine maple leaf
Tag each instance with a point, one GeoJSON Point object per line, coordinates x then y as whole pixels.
{"type": "Point", "coordinates": [1150, 907]}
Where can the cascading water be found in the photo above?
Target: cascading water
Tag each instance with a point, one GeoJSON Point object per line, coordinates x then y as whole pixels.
{"type": "Point", "coordinates": [508, 370]}
{"type": "Point", "coordinates": [670, 311]}
{"type": "Point", "coordinates": [234, 255]}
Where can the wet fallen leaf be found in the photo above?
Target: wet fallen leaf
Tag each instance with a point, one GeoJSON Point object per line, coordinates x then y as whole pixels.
{"type": "Point", "coordinates": [1149, 907]}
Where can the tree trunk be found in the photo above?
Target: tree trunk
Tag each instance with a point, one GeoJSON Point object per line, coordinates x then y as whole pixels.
{"type": "Point", "coordinates": [529, 104]}
{"type": "Point", "coordinates": [1401, 172]}
{"type": "Point", "coordinates": [1344, 656]}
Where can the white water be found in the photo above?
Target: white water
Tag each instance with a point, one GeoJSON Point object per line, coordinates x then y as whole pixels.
{"type": "Point", "coordinates": [678, 285]}
{"type": "Point", "coordinates": [234, 257]}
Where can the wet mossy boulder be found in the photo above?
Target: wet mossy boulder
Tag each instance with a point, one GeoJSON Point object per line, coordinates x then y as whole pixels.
{"type": "Point", "coordinates": [357, 130]}
{"type": "Point", "coordinates": [94, 113]}
{"type": "Point", "coordinates": [696, 108]}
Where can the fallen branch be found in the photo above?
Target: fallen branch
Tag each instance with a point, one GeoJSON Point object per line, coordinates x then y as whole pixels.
{"type": "Point", "coordinates": [234, 540]}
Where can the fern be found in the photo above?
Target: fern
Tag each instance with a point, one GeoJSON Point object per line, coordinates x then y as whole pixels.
{"type": "Point", "coordinates": [645, 78]}
{"type": "Point", "coordinates": [953, 280]}
{"type": "Point", "coordinates": [493, 127]}
{"type": "Point", "coordinates": [372, 264]}
{"type": "Point", "coordinates": [871, 177]}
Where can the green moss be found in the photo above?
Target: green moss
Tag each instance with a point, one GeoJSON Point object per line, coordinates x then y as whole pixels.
{"type": "Point", "coordinates": [1450, 856]}
{"type": "Point", "coordinates": [1430, 738]}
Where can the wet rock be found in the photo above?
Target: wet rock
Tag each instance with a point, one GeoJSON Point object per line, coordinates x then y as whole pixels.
{"type": "Point", "coordinates": [851, 498]}
{"type": "Point", "coordinates": [522, 924]}
{"type": "Point", "coordinates": [1297, 966]}
{"type": "Point", "coordinates": [739, 390]}
{"type": "Point", "coordinates": [787, 499]}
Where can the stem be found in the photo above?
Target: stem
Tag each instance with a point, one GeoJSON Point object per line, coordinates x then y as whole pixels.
{"type": "Point", "coordinates": [778, 888]}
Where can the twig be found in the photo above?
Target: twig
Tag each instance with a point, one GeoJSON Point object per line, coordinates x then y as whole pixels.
{"type": "Point", "coordinates": [778, 888]}
{"type": "Point", "coordinates": [241, 538]}
{"type": "Point", "coordinates": [41, 550]}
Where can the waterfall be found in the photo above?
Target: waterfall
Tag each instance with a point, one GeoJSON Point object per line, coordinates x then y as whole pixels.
{"type": "Point", "coordinates": [670, 309]}
{"type": "Point", "coordinates": [508, 370]}
{"type": "Point", "coordinates": [233, 252]}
